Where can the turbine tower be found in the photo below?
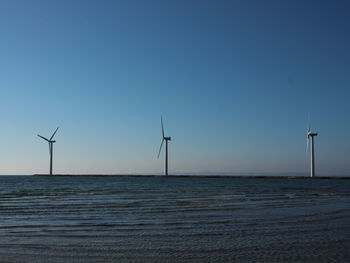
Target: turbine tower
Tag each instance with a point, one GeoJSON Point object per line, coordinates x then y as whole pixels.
{"type": "Point", "coordinates": [166, 139]}
{"type": "Point", "coordinates": [51, 142]}
{"type": "Point", "coordinates": [310, 136]}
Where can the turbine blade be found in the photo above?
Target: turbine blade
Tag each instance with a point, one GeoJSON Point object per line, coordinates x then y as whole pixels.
{"type": "Point", "coordinates": [160, 148]}
{"type": "Point", "coordinates": [43, 137]}
{"type": "Point", "coordinates": [307, 135]}
{"type": "Point", "coordinates": [161, 120]}
{"type": "Point", "coordinates": [54, 134]}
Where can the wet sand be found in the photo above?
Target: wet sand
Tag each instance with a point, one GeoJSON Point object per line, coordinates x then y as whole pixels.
{"type": "Point", "coordinates": [153, 219]}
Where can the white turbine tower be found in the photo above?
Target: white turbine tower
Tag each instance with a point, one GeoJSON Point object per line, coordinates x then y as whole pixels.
{"type": "Point", "coordinates": [310, 139]}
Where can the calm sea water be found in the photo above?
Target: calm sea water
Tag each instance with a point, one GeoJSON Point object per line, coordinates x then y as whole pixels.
{"type": "Point", "coordinates": [92, 219]}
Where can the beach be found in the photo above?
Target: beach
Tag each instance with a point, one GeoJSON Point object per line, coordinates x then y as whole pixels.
{"type": "Point", "coordinates": [175, 219]}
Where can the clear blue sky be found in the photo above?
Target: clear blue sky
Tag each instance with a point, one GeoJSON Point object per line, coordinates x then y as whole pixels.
{"type": "Point", "coordinates": [234, 81]}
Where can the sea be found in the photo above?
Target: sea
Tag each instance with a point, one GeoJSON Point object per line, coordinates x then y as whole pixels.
{"type": "Point", "coordinates": [175, 219]}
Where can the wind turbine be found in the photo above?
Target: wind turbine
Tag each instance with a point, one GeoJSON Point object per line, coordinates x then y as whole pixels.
{"type": "Point", "coordinates": [166, 139]}
{"type": "Point", "coordinates": [51, 142]}
{"type": "Point", "coordinates": [310, 136]}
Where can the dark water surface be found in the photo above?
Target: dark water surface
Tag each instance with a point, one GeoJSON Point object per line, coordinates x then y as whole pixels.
{"type": "Point", "coordinates": [92, 219]}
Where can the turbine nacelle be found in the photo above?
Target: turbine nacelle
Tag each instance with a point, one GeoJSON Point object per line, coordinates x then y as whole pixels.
{"type": "Point", "coordinates": [311, 134]}
{"type": "Point", "coordinates": [167, 138]}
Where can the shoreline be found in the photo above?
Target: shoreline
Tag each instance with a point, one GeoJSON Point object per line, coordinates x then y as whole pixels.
{"type": "Point", "coordinates": [199, 176]}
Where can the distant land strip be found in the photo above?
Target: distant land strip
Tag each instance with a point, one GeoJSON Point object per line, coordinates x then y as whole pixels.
{"type": "Point", "coordinates": [199, 176]}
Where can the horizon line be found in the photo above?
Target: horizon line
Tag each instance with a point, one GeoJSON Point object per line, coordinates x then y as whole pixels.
{"type": "Point", "coordinates": [207, 174]}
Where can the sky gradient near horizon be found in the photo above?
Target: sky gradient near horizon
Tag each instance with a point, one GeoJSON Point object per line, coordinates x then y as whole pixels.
{"type": "Point", "coordinates": [234, 81]}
